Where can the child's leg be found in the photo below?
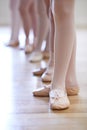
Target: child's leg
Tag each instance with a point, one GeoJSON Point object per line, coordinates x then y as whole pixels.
{"type": "Point", "coordinates": [26, 19]}
{"type": "Point", "coordinates": [43, 23]}
{"type": "Point", "coordinates": [64, 41]}
{"type": "Point", "coordinates": [15, 23]}
{"type": "Point", "coordinates": [47, 48]}
{"type": "Point", "coordinates": [71, 79]}
{"type": "Point", "coordinates": [47, 75]}
{"type": "Point", "coordinates": [51, 44]}
{"type": "Point", "coordinates": [34, 21]}
{"type": "Point", "coordinates": [23, 8]}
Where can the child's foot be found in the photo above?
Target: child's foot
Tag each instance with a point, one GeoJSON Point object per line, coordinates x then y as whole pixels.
{"type": "Point", "coordinates": [71, 90]}
{"type": "Point", "coordinates": [47, 75]}
{"type": "Point", "coordinates": [42, 92]}
{"type": "Point", "coordinates": [59, 99]}
{"type": "Point", "coordinates": [38, 56]}
{"type": "Point", "coordinates": [28, 48]}
{"type": "Point", "coordinates": [12, 43]}
{"type": "Point", "coordinates": [39, 71]}
{"type": "Point", "coordinates": [46, 55]}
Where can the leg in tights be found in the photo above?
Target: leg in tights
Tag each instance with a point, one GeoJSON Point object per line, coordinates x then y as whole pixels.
{"type": "Point", "coordinates": [51, 37]}
{"type": "Point", "coordinates": [15, 23]}
{"type": "Point", "coordinates": [47, 75]}
{"type": "Point", "coordinates": [43, 24]}
{"type": "Point", "coordinates": [34, 16]}
{"type": "Point", "coordinates": [25, 8]}
{"type": "Point", "coordinates": [49, 46]}
{"type": "Point", "coordinates": [64, 41]}
{"type": "Point", "coordinates": [48, 40]}
{"type": "Point", "coordinates": [70, 79]}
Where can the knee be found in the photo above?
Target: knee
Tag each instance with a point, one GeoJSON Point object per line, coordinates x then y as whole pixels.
{"type": "Point", "coordinates": [63, 9]}
{"type": "Point", "coordinates": [22, 8]}
{"type": "Point", "coordinates": [13, 5]}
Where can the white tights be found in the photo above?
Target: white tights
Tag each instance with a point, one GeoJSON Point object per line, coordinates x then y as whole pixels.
{"type": "Point", "coordinates": [65, 45]}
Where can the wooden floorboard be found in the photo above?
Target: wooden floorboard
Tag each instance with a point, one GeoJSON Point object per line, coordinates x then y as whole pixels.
{"type": "Point", "coordinates": [20, 110]}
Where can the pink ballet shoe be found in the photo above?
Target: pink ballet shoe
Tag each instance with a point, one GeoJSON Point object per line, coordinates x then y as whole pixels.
{"type": "Point", "coordinates": [42, 92]}
{"type": "Point", "coordinates": [58, 99]}
{"type": "Point", "coordinates": [71, 91]}
{"type": "Point", "coordinates": [13, 44]}
{"type": "Point", "coordinates": [46, 55]}
{"type": "Point", "coordinates": [28, 48]}
{"type": "Point", "coordinates": [38, 56]}
{"type": "Point", "coordinates": [47, 75]}
{"type": "Point", "coordinates": [39, 72]}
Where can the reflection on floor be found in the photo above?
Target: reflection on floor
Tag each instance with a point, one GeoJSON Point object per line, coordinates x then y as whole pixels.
{"type": "Point", "coordinates": [19, 110]}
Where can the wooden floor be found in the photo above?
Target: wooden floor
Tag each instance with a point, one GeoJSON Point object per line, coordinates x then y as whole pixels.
{"type": "Point", "coordinates": [20, 110]}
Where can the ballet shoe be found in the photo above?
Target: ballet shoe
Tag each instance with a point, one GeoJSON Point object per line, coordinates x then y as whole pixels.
{"type": "Point", "coordinates": [46, 55]}
{"type": "Point", "coordinates": [42, 92]}
{"type": "Point", "coordinates": [36, 57]}
{"type": "Point", "coordinates": [58, 99]}
{"type": "Point", "coordinates": [39, 72]}
{"type": "Point", "coordinates": [68, 90]}
{"type": "Point", "coordinates": [72, 90]}
{"type": "Point", "coordinates": [28, 48]}
{"type": "Point", "coordinates": [47, 75]}
{"type": "Point", "coordinates": [13, 44]}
